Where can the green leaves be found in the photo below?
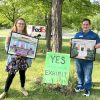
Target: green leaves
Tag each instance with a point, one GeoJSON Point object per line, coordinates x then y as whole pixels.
{"type": "Point", "coordinates": [75, 10]}
{"type": "Point", "coordinates": [34, 11]}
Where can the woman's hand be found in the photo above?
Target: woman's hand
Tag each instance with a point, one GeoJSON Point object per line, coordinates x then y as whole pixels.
{"type": "Point", "coordinates": [17, 56]}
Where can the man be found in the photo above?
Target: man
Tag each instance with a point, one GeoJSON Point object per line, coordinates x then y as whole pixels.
{"type": "Point", "coordinates": [84, 67]}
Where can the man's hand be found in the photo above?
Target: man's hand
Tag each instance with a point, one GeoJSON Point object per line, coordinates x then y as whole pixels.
{"type": "Point", "coordinates": [97, 46]}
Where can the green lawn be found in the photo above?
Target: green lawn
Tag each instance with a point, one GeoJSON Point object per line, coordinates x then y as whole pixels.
{"type": "Point", "coordinates": [38, 92]}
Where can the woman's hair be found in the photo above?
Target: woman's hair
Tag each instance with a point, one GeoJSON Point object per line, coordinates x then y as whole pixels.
{"type": "Point", "coordinates": [14, 28]}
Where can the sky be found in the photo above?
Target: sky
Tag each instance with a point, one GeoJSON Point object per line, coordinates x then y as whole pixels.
{"type": "Point", "coordinates": [95, 0]}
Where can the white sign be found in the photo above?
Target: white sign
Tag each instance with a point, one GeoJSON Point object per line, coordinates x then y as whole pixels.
{"type": "Point", "coordinates": [35, 30]}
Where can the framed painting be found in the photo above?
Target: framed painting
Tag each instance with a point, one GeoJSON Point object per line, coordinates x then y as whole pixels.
{"type": "Point", "coordinates": [22, 45]}
{"type": "Point", "coordinates": [83, 49]}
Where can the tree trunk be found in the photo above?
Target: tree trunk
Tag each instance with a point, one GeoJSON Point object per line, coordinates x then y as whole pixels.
{"type": "Point", "coordinates": [48, 32]}
{"type": "Point", "coordinates": [57, 25]}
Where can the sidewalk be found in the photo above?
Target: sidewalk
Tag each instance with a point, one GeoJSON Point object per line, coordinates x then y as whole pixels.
{"type": "Point", "coordinates": [4, 33]}
{"type": "Point", "coordinates": [98, 51]}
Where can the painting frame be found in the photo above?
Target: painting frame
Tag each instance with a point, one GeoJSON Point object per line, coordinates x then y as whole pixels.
{"type": "Point", "coordinates": [22, 45]}
{"type": "Point", "coordinates": [83, 49]}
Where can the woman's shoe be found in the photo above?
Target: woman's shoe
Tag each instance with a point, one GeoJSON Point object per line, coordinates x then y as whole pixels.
{"type": "Point", "coordinates": [24, 92]}
{"type": "Point", "coordinates": [3, 95]}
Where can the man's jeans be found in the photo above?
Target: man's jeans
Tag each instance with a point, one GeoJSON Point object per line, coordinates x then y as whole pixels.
{"type": "Point", "coordinates": [84, 73]}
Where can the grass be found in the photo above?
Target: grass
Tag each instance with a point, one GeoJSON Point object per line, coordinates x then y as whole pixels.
{"type": "Point", "coordinates": [38, 92]}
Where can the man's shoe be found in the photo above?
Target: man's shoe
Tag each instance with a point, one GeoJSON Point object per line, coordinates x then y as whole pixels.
{"type": "Point", "coordinates": [24, 92]}
{"type": "Point", "coordinates": [3, 95]}
{"type": "Point", "coordinates": [87, 93]}
{"type": "Point", "coordinates": [77, 89]}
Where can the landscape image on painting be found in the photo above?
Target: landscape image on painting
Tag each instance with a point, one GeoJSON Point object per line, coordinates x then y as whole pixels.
{"type": "Point", "coordinates": [82, 49]}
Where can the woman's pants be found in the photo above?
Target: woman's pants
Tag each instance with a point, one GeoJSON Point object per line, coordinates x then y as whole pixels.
{"type": "Point", "coordinates": [10, 79]}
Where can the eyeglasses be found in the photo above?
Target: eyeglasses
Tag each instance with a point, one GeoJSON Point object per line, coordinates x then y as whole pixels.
{"type": "Point", "coordinates": [21, 23]}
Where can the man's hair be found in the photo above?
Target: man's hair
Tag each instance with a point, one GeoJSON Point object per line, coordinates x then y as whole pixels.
{"type": "Point", "coordinates": [86, 19]}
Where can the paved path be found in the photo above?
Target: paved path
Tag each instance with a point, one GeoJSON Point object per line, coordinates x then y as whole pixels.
{"type": "Point", "coordinates": [4, 33]}
{"type": "Point", "coordinates": [98, 51]}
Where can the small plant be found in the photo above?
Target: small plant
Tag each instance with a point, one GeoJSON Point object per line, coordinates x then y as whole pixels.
{"type": "Point", "coordinates": [66, 90]}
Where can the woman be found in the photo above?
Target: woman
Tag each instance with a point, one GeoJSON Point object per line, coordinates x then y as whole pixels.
{"type": "Point", "coordinates": [19, 27]}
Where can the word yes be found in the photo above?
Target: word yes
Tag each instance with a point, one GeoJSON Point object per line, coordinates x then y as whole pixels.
{"type": "Point", "coordinates": [58, 59]}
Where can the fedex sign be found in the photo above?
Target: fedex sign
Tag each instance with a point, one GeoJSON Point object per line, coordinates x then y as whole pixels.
{"type": "Point", "coordinates": [31, 29]}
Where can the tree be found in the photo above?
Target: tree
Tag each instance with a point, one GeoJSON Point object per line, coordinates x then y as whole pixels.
{"type": "Point", "coordinates": [75, 10]}
{"type": "Point", "coordinates": [12, 9]}
{"type": "Point", "coordinates": [48, 32]}
{"type": "Point", "coordinates": [35, 14]}
{"type": "Point", "coordinates": [46, 4]}
{"type": "Point", "coordinates": [96, 22]}
{"type": "Point", "coordinates": [57, 25]}
{"type": "Point", "coordinates": [48, 25]}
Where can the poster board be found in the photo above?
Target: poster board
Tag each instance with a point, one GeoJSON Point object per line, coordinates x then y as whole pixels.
{"type": "Point", "coordinates": [57, 66]}
{"type": "Point", "coordinates": [83, 49]}
{"type": "Point", "coordinates": [22, 45]}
